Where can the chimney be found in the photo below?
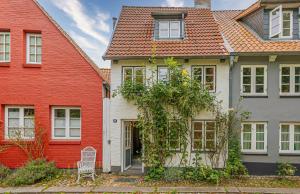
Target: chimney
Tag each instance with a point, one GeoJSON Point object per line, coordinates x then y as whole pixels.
{"type": "Point", "coordinates": [114, 22]}
{"type": "Point", "coordinates": [204, 4]}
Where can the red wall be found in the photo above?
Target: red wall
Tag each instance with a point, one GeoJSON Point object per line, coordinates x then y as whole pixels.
{"type": "Point", "coordinates": [65, 78]}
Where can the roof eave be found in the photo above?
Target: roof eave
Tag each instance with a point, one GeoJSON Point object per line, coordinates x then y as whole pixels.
{"type": "Point", "coordinates": [221, 56]}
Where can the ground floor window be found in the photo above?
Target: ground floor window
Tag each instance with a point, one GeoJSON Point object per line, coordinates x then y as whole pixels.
{"type": "Point", "coordinates": [204, 135]}
{"type": "Point", "coordinates": [66, 123]}
{"type": "Point", "coordinates": [254, 137]}
{"type": "Point", "coordinates": [19, 122]}
{"type": "Point", "coordinates": [289, 138]}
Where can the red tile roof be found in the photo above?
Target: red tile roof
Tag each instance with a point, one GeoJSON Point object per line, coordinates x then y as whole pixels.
{"type": "Point", "coordinates": [243, 40]}
{"type": "Point", "coordinates": [105, 72]}
{"type": "Point", "coordinates": [133, 36]}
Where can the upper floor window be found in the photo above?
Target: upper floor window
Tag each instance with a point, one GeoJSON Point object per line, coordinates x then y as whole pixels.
{"type": "Point", "coordinates": [206, 76]}
{"type": "Point", "coordinates": [66, 123]}
{"type": "Point", "coordinates": [169, 29]}
{"type": "Point", "coordinates": [204, 135]}
{"type": "Point", "coordinates": [163, 74]}
{"type": "Point", "coordinates": [19, 122]}
{"type": "Point", "coordinates": [4, 47]}
{"type": "Point", "coordinates": [254, 137]}
{"type": "Point", "coordinates": [34, 48]}
{"type": "Point", "coordinates": [289, 138]}
{"type": "Point", "coordinates": [281, 23]}
{"type": "Point", "coordinates": [253, 80]}
{"type": "Point", "coordinates": [290, 79]}
{"type": "Point", "coordinates": [134, 74]}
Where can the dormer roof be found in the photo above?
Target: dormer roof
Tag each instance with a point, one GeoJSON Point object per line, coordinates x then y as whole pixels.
{"type": "Point", "coordinates": [133, 36]}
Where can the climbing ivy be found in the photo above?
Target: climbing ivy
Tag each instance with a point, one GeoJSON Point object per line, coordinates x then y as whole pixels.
{"type": "Point", "coordinates": [165, 112]}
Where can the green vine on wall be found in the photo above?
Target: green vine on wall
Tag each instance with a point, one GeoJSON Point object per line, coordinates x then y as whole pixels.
{"type": "Point", "coordinates": [165, 112]}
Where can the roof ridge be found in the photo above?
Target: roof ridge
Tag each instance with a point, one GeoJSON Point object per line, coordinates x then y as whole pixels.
{"type": "Point", "coordinates": [156, 7]}
{"type": "Point", "coordinates": [228, 10]}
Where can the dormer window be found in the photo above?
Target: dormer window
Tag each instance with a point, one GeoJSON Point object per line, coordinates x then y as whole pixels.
{"type": "Point", "coordinates": [281, 23]}
{"type": "Point", "coordinates": [169, 25]}
{"type": "Point", "coordinates": [169, 29]}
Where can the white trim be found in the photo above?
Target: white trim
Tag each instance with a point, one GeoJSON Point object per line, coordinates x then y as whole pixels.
{"type": "Point", "coordinates": [291, 24]}
{"type": "Point", "coordinates": [133, 70]}
{"type": "Point", "coordinates": [292, 80]}
{"type": "Point", "coordinates": [280, 33]}
{"type": "Point", "coordinates": [253, 137]}
{"type": "Point", "coordinates": [4, 50]}
{"type": "Point", "coordinates": [21, 120]}
{"type": "Point", "coordinates": [160, 33]}
{"type": "Point", "coordinates": [291, 138]}
{"type": "Point", "coordinates": [203, 140]}
{"type": "Point", "coordinates": [253, 80]}
{"type": "Point", "coordinates": [36, 35]}
{"type": "Point", "coordinates": [169, 23]}
{"type": "Point", "coordinates": [203, 76]}
{"type": "Point", "coordinates": [67, 123]}
{"type": "Point", "coordinates": [178, 30]}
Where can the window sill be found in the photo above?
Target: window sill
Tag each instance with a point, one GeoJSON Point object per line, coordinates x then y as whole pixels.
{"type": "Point", "coordinates": [289, 95]}
{"type": "Point", "coordinates": [4, 64]}
{"type": "Point", "coordinates": [255, 153]}
{"type": "Point", "coordinates": [289, 154]}
{"type": "Point", "coordinates": [253, 96]}
{"type": "Point", "coordinates": [65, 142]}
{"type": "Point", "coordinates": [32, 65]}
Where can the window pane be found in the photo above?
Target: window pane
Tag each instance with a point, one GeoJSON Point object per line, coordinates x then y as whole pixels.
{"type": "Point", "coordinates": [285, 79]}
{"type": "Point", "coordinates": [260, 136]}
{"type": "Point", "coordinates": [39, 50]}
{"type": "Point", "coordinates": [59, 132]}
{"type": "Point", "coordinates": [39, 58]}
{"type": "Point", "coordinates": [74, 132]}
{"type": "Point", "coordinates": [297, 146]}
{"type": "Point", "coordinates": [39, 41]}
{"type": "Point", "coordinates": [260, 71]}
{"type": "Point", "coordinates": [32, 40]}
{"type": "Point", "coordinates": [163, 74]}
{"type": "Point", "coordinates": [247, 71]}
{"type": "Point", "coordinates": [247, 145]}
{"type": "Point", "coordinates": [197, 74]}
{"type": "Point", "coordinates": [164, 29]}
{"type": "Point", "coordinates": [247, 127]}
{"type": "Point", "coordinates": [260, 89]}
{"type": "Point", "coordinates": [29, 132]}
{"type": "Point", "coordinates": [128, 74]}
{"type": "Point", "coordinates": [286, 32]}
{"type": "Point", "coordinates": [7, 48]}
{"type": "Point", "coordinates": [285, 88]}
{"type": "Point", "coordinates": [260, 145]}
{"type": "Point", "coordinates": [247, 136]}
{"type": "Point", "coordinates": [260, 80]}
{"type": "Point", "coordinates": [7, 39]}
{"type": "Point", "coordinates": [13, 113]}
{"type": "Point", "coordinates": [29, 123]}
{"type": "Point", "coordinates": [297, 128]}
{"type": "Point", "coordinates": [285, 128]}
{"type": "Point", "coordinates": [297, 70]}
{"type": "Point", "coordinates": [285, 145]}
{"type": "Point", "coordinates": [285, 137]}
{"type": "Point", "coordinates": [7, 57]}
{"type": "Point", "coordinates": [285, 70]}
{"type": "Point", "coordinates": [75, 123]}
{"type": "Point", "coordinates": [60, 113]}
{"type": "Point", "coordinates": [75, 113]}
{"type": "Point", "coordinates": [175, 29]}
{"type": "Point", "coordinates": [1, 38]}
{"type": "Point", "coordinates": [32, 58]}
{"type": "Point", "coordinates": [32, 49]}
{"type": "Point", "coordinates": [59, 123]}
{"type": "Point", "coordinates": [247, 80]}
{"type": "Point", "coordinates": [28, 112]}
{"type": "Point", "coordinates": [15, 123]}
{"type": "Point", "coordinates": [139, 75]}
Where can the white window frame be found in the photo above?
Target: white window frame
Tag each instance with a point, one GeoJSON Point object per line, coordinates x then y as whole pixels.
{"type": "Point", "coordinates": [280, 33]}
{"type": "Point", "coordinates": [4, 43]}
{"type": "Point", "coordinates": [134, 69]}
{"type": "Point", "coordinates": [253, 137]}
{"type": "Point", "coordinates": [291, 138]}
{"type": "Point", "coordinates": [169, 22]}
{"type": "Point", "coordinates": [67, 127]}
{"type": "Point", "coordinates": [159, 76]}
{"type": "Point", "coordinates": [28, 35]}
{"type": "Point", "coordinates": [292, 80]}
{"type": "Point", "coordinates": [203, 76]}
{"type": "Point", "coordinates": [253, 80]}
{"type": "Point", "coordinates": [21, 120]}
{"type": "Point", "coordinates": [203, 141]}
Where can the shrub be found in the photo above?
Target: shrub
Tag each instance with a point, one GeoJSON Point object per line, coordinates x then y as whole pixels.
{"type": "Point", "coordinates": [155, 173]}
{"type": "Point", "coordinates": [33, 172]}
{"type": "Point", "coordinates": [173, 174]}
{"type": "Point", "coordinates": [286, 169]}
{"type": "Point", "coordinates": [4, 172]}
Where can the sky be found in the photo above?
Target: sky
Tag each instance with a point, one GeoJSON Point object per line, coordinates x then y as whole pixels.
{"type": "Point", "coordinates": [89, 22]}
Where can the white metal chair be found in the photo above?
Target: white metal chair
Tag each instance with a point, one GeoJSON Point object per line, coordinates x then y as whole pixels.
{"type": "Point", "coordinates": [86, 167]}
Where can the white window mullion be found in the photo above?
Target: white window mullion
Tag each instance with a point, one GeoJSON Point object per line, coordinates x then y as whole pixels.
{"type": "Point", "coordinates": [292, 80]}
{"type": "Point", "coordinates": [253, 80]}
{"type": "Point", "coordinates": [266, 138]}
{"type": "Point", "coordinates": [292, 129]}
{"type": "Point", "coordinates": [67, 123]}
{"type": "Point", "coordinates": [253, 139]}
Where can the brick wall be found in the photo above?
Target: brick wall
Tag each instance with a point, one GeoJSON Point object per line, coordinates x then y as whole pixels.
{"type": "Point", "coordinates": [64, 78]}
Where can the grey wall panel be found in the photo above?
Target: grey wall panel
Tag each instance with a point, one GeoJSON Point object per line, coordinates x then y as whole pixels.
{"type": "Point", "coordinates": [272, 109]}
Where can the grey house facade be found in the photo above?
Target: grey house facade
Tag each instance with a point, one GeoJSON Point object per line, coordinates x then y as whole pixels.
{"type": "Point", "coordinates": [264, 42]}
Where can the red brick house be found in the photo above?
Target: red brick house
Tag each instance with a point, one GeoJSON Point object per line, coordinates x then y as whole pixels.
{"type": "Point", "coordinates": [46, 81]}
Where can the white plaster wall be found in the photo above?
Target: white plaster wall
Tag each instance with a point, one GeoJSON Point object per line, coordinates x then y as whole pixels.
{"type": "Point", "coordinates": [122, 110]}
